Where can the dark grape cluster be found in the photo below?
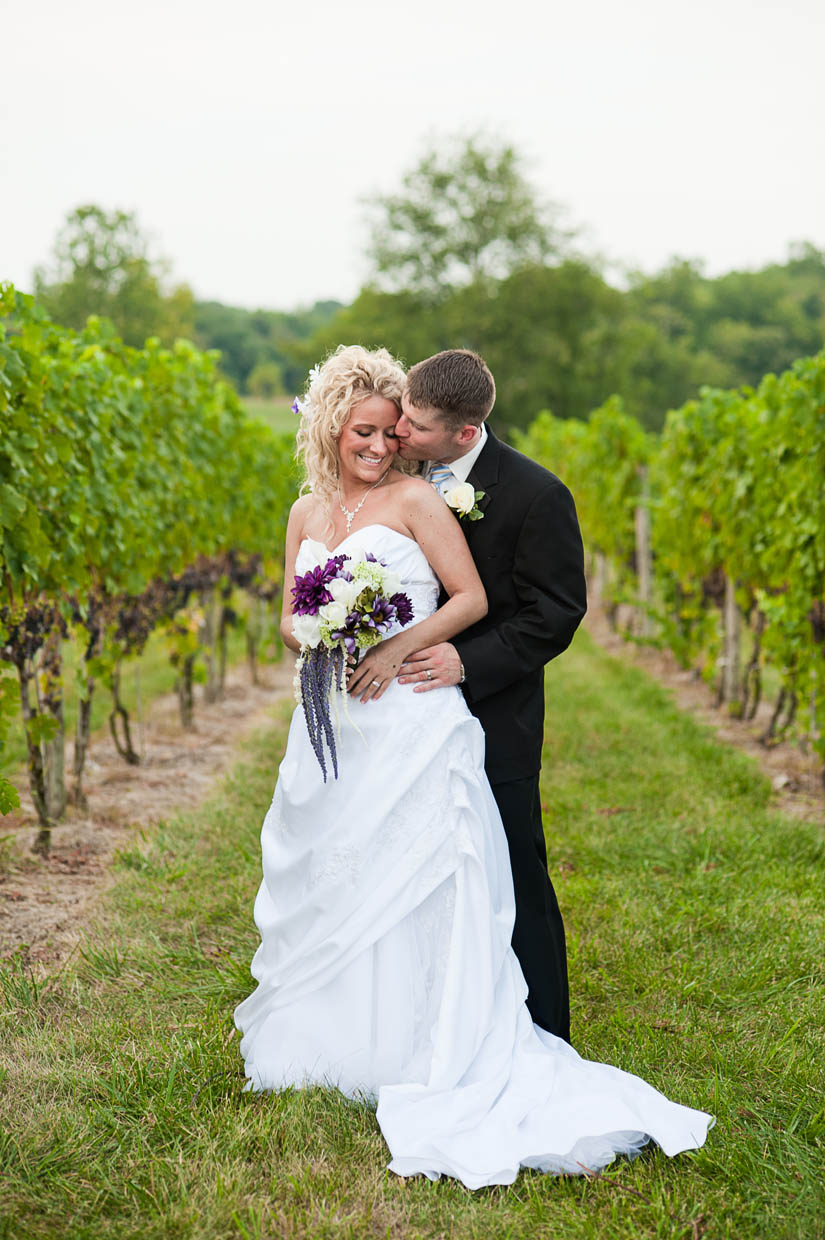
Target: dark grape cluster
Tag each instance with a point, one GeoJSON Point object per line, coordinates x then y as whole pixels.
{"type": "Point", "coordinates": [24, 630]}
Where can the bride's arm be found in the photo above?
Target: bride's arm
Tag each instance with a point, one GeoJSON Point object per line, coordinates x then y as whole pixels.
{"type": "Point", "coordinates": [294, 534]}
{"type": "Point", "coordinates": [442, 540]}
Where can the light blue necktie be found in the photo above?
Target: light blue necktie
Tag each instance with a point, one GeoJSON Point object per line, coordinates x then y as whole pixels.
{"type": "Point", "coordinates": [441, 476]}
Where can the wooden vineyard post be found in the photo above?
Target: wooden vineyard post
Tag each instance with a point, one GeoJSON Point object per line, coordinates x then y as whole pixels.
{"type": "Point", "coordinates": [644, 559]}
{"type": "Point", "coordinates": [731, 660]}
{"type": "Point", "coordinates": [599, 576]}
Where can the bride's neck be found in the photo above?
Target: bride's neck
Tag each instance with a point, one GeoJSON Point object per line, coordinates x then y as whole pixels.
{"type": "Point", "coordinates": [350, 485]}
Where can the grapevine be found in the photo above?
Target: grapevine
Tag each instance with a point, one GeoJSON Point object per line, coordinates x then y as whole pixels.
{"type": "Point", "coordinates": [735, 491]}
{"type": "Point", "coordinates": [151, 484]}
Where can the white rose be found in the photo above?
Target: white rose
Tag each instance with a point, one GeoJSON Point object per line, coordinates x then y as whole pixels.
{"type": "Point", "coordinates": [306, 630]}
{"type": "Point", "coordinates": [334, 613]}
{"type": "Point", "coordinates": [345, 592]}
{"type": "Point", "coordinates": [461, 498]}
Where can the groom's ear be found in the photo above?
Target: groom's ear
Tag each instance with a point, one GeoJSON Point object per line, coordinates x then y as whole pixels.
{"type": "Point", "coordinates": [467, 434]}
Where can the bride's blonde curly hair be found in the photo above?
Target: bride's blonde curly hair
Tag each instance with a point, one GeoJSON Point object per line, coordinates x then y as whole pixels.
{"type": "Point", "coordinates": [348, 376]}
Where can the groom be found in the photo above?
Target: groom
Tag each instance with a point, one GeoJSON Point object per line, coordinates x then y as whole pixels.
{"type": "Point", "coordinates": [528, 552]}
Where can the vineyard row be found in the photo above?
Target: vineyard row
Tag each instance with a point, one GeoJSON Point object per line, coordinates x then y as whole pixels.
{"type": "Point", "coordinates": [714, 533]}
{"type": "Point", "coordinates": [135, 493]}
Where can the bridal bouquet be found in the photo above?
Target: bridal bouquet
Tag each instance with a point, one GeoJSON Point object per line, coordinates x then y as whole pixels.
{"type": "Point", "coordinates": [345, 604]}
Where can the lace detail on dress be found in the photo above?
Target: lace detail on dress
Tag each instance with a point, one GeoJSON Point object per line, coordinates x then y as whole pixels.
{"type": "Point", "coordinates": [424, 598]}
{"type": "Point", "coordinates": [433, 928]}
{"type": "Point", "coordinates": [342, 864]}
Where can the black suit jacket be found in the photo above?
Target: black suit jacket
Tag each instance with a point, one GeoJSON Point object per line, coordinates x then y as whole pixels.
{"type": "Point", "coordinates": [528, 551]}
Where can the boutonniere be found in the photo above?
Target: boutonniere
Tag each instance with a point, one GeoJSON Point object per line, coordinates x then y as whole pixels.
{"type": "Point", "coordinates": [463, 499]}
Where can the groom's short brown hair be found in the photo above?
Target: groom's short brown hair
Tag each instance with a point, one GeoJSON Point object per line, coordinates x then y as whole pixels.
{"type": "Point", "coordinates": [457, 383]}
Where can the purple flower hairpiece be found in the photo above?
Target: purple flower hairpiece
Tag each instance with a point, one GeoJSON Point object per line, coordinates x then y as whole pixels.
{"type": "Point", "coordinates": [302, 406]}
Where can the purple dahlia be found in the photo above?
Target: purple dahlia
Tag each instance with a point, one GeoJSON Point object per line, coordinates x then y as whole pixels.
{"type": "Point", "coordinates": [403, 608]}
{"type": "Point", "coordinates": [310, 591]}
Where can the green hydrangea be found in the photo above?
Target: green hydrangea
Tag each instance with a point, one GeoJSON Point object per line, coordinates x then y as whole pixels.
{"type": "Point", "coordinates": [371, 574]}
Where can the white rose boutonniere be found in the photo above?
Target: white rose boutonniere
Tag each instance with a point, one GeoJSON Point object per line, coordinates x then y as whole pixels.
{"type": "Point", "coordinates": [463, 499]}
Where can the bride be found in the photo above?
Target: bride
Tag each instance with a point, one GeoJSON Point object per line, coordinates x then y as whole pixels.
{"type": "Point", "coordinates": [386, 907]}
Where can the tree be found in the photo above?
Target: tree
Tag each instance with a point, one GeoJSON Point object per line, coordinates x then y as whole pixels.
{"type": "Point", "coordinates": [737, 326]}
{"type": "Point", "coordinates": [101, 265]}
{"type": "Point", "coordinates": [266, 380]}
{"type": "Point", "coordinates": [247, 338]}
{"type": "Point", "coordinates": [466, 213]}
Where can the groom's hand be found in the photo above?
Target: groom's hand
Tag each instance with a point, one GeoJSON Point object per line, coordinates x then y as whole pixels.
{"type": "Point", "coordinates": [432, 668]}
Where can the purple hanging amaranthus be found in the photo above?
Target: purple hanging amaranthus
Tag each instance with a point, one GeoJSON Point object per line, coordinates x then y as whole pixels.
{"type": "Point", "coordinates": [321, 674]}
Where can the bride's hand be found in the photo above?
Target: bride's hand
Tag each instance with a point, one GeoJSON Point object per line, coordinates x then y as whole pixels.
{"type": "Point", "coordinates": [376, 670]}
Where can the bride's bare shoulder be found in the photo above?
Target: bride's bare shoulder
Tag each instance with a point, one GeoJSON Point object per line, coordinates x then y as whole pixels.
{"type": "Point", "coordinates": [303, 505]}
{"type": "Point", "coordinates": [409, 486]}
{"type": "Point", "coordinates": [303, 514]}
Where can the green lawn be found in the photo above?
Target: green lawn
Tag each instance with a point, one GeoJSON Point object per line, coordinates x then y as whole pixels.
{"type": "Point", "coordinates": [276, 412]}
{"type": "Point", "coordinates": [696, 920]}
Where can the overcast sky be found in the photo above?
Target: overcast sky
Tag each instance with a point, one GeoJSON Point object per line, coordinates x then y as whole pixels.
{"type": "Point", "coordinates": [244, 134]}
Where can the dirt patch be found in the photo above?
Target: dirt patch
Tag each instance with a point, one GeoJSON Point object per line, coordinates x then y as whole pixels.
{"type": "Point", "coordinates": [796, 776]}
{"type": "Point", "coordinates": [43, 901]}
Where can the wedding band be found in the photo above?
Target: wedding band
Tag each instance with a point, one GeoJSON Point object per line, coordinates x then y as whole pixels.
{"type": "Point", "coordinates": [376, 682]}
{"type": "Point", "coordinates": [429, 673]}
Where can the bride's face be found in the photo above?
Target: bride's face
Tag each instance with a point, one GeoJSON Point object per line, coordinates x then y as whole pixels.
{"type": "Point", "coordinates": [367, 443]}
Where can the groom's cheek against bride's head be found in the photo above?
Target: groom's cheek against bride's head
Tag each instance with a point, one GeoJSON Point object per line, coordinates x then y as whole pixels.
{"type": "Point", "coordinates": [421, 434]}
{"type": "Point", "coordinates": [446, 399]}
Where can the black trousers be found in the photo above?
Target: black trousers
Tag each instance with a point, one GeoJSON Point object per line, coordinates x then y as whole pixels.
{"type": "Point", "coordinates": [538, 935]}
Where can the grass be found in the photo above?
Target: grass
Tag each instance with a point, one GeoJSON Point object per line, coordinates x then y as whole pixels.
{"type": "Point", "coordinates": [695, 919]}
{"type": "Point", "coordinates": [276, 412]}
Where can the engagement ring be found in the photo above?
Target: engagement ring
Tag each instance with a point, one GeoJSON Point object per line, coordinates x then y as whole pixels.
{"type": "Point", "coordinates": [429, 673]}
{"type": "Point", "coordinates": [377, 683]}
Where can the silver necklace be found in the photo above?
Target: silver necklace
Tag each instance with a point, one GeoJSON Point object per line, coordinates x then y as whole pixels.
{"type": "Point", "coordinates": [350, 516]}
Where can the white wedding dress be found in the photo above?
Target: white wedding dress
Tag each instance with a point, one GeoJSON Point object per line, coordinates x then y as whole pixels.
{"type": "Point", "coordinates": [385, 965]}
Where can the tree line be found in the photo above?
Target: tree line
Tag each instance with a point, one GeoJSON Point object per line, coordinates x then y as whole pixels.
{"type": "Point", "coordinates": [467, 254]}
{"type": "Point", "coordinates": [101, 264]}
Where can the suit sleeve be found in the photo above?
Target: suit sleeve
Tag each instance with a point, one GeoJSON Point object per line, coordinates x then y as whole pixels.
{"type": "Point", "coordinates": [548, 576]}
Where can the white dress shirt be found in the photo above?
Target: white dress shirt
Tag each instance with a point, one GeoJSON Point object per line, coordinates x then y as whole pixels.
{"type": "Point", "coordinates": [462, 466]}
